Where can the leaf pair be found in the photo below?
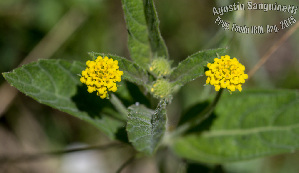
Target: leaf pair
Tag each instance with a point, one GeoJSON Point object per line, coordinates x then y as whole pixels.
{"type": "Point", "coordinates": [146, 43]}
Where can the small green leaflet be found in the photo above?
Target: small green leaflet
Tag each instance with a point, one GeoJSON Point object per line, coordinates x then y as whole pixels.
{"type": "Point", "coordinates": [193, 66]}
{"type": "Point", "coordinates": [146, 127]}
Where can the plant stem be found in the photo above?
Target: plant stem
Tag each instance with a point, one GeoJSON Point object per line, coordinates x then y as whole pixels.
{"type": "Point", "coordinates": [119, 106]}
{"type": "Point", "coordinates": [199, 118]}
{"type": "Point", "coordinates": [130, 160]}
{"type": "Point", "coordinates": [273, 49]}
{"type": "Point", "coordinates": [31, 157]}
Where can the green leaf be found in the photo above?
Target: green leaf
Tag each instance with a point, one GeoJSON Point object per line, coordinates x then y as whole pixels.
{"type": "Point", "coordinates": [146, 127]}
{"type": "Point", "coordinates": [132, 72]}
{"type": "Point", "coordinates": [56, 83]}
{"type": "Point", "coordinates": [193, 66]}
{"type": "Point", "coordinates": [158, 46]}
{"type": "Point", "coordinates": [250, 124]}
{"type": "Point", "coordinates": [144, 39]}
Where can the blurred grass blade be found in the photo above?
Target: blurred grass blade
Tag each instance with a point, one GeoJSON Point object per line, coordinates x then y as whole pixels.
{"type": "Point", "coordinates": [144, 40]}
{"type": "Point", "coordinates": [248, 125]}
{"type": "Point", "coordinates": [132, 72]}
{"type": "Point", "coordinates": [146, 127]}
{"type": "Point", "coordinates": [56, 83]}
{"type": "Point", "coordinates": [193, 66]}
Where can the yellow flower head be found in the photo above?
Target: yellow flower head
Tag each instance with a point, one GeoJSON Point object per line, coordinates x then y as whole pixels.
{"type": "Point", "coordinates": [101, 76]}
{"type": "Point", "coordinates": [226, 73]}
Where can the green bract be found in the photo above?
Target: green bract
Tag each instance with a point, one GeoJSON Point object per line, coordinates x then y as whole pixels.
{"type": "Point", "coordinates": [160, 67]}
{"type": "Point", "coordinates": [161, 88]}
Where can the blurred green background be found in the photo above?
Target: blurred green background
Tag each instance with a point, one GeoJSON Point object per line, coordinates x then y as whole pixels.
{"type": "Point", "coordinates": [69, 29]}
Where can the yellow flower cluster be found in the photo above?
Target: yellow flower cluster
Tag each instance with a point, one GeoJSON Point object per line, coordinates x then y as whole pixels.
{"type": "Point", "coordinates": [101, 75]}
{"type": "Point", "coordinates": [226, 73]}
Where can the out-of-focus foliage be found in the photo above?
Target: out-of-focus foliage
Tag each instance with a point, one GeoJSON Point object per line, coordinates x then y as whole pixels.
{"type": "Point", "coordinates": [249, 124]}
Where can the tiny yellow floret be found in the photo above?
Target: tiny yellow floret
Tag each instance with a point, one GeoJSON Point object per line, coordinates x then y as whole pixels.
{"type": "Point", "coordinates": [226, 73]}
{"type": "Point", "coordinates": [101, 76]}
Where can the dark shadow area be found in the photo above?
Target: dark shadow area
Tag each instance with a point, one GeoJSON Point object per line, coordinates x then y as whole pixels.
{"type": "Point", "coordinates": [195, 111]}
{"type": "Point", "coordinates": [122, 135]}
{"type": "Point", "coordinates": [206, 68]}
{"type": "Point", "coordinates": [5, 122]}
{"type": "Point", "coordinates": [196, 168]}
{"type": "Point", "coordinates": [205, 125]}
{"type": "Point", "coordinates": [90, 102]}
{"type": "Point", "coordinates": [137, 95]}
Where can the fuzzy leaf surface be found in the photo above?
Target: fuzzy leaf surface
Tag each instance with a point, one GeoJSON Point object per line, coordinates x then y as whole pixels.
{"type": "Point", "coordinates": [146, 127]}
{"type": "Point", "coordinates": [248, 125]}
{"type": "Point", "coordinates": [193, 66]}
{"type": "Point", "coordinates": [158, 45]}
{"type": "Point", "coordinates": [144, 38]}
{"type": "Point", "coordinates": [56, 83]}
